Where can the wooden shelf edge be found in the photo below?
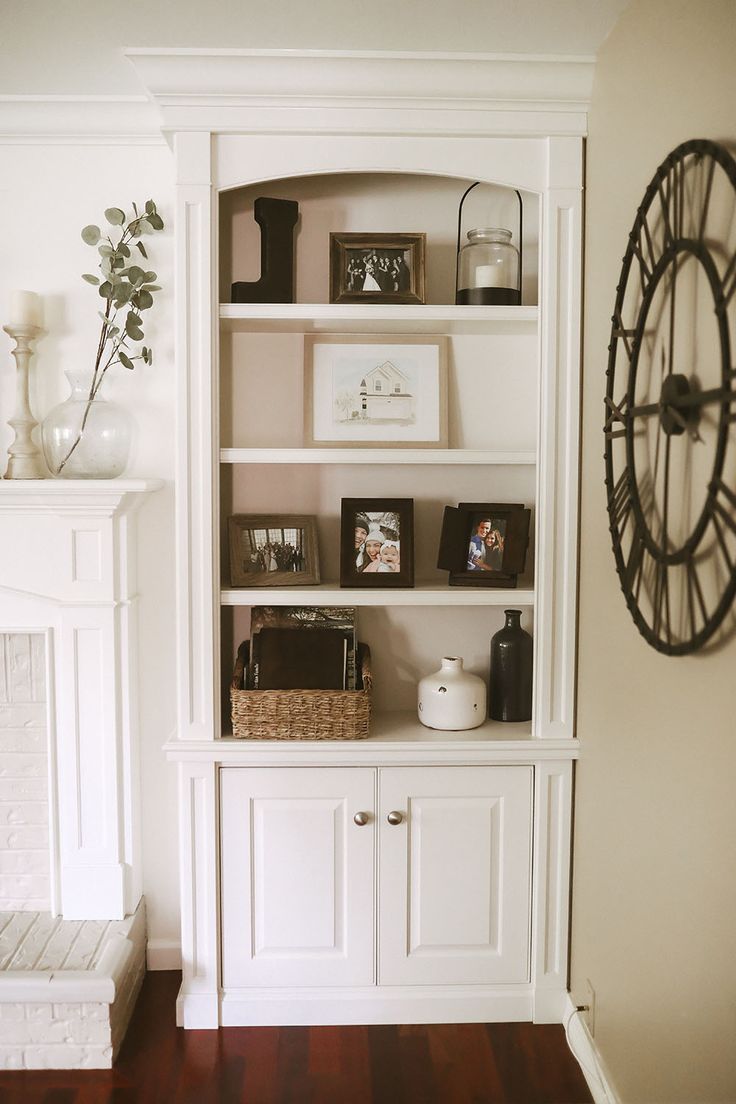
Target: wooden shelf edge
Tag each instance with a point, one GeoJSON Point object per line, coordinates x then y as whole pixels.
{"type": "Point", "coordinates": [330, 594]}
{"type": "Point", "coordinates": [376, 456]}
{"type": "Point", "coordinates": [373, 317]}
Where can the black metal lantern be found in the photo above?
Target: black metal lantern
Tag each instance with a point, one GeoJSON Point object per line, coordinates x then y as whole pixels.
{"type": "Point", "coordinates": [488, 268]}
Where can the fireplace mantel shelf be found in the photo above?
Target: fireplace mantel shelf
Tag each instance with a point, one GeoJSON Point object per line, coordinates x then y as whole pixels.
{"type": "Point", "coordinates": [107, 496]}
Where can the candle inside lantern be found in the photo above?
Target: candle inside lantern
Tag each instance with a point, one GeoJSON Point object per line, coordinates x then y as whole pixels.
{"type": "Point", "coordinates": [489, 275]}
{"type": "Point", "coordinates": [25, 309]}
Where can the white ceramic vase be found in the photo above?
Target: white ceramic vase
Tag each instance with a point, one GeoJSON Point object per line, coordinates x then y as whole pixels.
{"type": "Point", "coordinates": [452, 699]}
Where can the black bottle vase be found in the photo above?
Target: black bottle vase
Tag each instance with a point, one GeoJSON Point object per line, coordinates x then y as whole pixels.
{"type": "Point", "coordinates": [510, 694]}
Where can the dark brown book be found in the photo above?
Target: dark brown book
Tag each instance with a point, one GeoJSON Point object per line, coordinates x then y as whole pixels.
{"type": "Point", "coordinates": [301, 659]}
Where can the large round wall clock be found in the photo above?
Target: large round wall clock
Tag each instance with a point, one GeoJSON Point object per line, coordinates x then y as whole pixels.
{"type": "Point", "coordinates": [670, 437]}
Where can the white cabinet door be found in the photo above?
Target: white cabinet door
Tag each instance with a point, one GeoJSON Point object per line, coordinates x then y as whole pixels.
{"type": "Point", "coordinates": [454, 875]}
{"type": "Point", "coordinates": [297, 876]}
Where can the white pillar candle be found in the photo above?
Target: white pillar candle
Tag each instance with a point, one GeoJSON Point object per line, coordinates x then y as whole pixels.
{"type": "Point", "coordinates": [25, 309]}
{"type": "Point", "coordinates": [487, 276]}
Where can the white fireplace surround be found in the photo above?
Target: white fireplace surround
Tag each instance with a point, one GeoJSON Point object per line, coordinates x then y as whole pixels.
{"type": "Point", "coordinates": [67, 572]}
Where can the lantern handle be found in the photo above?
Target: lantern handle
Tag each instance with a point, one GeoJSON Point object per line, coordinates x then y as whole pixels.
{"type": "Point", "coordinates": [459, 232]}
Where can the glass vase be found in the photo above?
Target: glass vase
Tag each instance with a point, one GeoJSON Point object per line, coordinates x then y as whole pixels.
{"type": "Point", "coordinates": [85, 439]}
{"type": "Point", "coordinates": [510, 697]}
{"type": "Point", "coordinates": [489, 269]}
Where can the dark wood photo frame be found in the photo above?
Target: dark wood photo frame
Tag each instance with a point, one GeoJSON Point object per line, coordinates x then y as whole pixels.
{"type": "Point", "coordinates": [377, 542]}
{"type": "Point", "coordinates": [268, 550]}
{"type": "Point", "coordinates": [499, 552]}
{"type": "Point", "coordinates": [377, 268]}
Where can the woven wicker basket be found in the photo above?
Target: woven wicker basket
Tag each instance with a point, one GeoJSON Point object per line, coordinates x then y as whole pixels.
{"type": "Point", "coordinates": [301, 714]}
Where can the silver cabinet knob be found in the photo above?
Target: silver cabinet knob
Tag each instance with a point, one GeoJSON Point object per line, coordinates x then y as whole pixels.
{"type": "Point", "coordinates": [395, 818]}
{"type": "Point", "coordinates": [361, 819]}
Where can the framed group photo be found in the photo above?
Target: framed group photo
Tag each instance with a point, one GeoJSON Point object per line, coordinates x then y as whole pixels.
{"type": "Point", "coordinates": [484, 544]}
{"type": "Point", "coordinates": [273, 550]}
{"type": "Point", "coordinates": [377, 542]}
{"type": "Point", "coordinates": [375, 391]}
{"type": "Point", "coordinates": [377, 268]}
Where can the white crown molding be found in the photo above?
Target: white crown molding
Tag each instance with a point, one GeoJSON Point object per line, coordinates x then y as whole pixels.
{"type": "Point", "coordinates": [274, 91]}
{"type": "Point", "coordinates": [79, 120]}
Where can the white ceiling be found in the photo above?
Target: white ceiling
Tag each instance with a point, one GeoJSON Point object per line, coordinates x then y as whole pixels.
{"type": "Point", "coordinates": [73, 47]}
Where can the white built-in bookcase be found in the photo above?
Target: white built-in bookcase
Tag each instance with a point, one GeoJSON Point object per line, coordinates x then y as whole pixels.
{"type": "Point", "coordinates": [374, 143]}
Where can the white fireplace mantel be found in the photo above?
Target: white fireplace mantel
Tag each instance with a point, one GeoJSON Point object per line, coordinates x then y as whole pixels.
{"type": "Point", "coordinates": [67, 570]}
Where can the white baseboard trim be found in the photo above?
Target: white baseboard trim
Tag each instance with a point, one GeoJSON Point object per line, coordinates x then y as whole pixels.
{"type": "Point", "coordinates": [372, 1005]}
{"type": "Point", "coordinates": [163, 954]}
{"type": "Point", "coordinates": [586, 1054]}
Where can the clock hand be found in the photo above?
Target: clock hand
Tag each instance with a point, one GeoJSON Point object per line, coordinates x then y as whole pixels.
{"type": "Point", "coordinates": [675, 413]}
{"type": "Point", "coordinates": [693, 400]}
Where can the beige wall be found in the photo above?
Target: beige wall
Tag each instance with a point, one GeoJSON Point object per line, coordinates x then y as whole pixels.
{"type": "Point", "coordinates": [654, 905]}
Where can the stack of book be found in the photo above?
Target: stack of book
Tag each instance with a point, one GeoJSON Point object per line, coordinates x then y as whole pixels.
{"type": "Point", "coordinates": [302, 648]}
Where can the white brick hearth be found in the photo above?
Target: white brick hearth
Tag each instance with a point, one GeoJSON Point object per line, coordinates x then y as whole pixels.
{"type": "Point", "coordinates": [67, 988]}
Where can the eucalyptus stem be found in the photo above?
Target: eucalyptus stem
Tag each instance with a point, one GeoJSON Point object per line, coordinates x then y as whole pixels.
{"type": "Point", "coordinates": [124, 285]}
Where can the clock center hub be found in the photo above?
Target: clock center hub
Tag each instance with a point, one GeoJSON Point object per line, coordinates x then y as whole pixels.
{"type": "Point", "coordinates": [676, 414]}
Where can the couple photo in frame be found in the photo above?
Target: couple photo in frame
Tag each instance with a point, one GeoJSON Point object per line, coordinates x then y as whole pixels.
{"type": "Point", "coordinates": [484, 544]}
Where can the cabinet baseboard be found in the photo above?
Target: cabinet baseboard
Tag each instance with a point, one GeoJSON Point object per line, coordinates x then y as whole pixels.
{"type": "Point", "coordinates": [400, 1004]}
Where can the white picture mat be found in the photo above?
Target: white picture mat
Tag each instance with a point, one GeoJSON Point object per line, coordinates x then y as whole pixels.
{"type": "Point", "coordinates": [338, 367]}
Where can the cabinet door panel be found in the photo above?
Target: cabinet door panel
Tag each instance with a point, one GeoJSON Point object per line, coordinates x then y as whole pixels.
{"type": "Point", "coordinates": [455, 875]}
{"type": "Point", "coordinates": [297, 877]}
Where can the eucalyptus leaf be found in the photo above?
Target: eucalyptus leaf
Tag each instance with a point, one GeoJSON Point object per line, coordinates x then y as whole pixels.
{"type": "Point", "coordinates": [90, 279]}
{"type": "Point", "coordinates": [144, 299]}
{"type": "Point", "coordinates": [91, 234]}
{"type": "Point", "coordinates": [150, 287]}
{"type": "Point", "coordinates": [125, 360]}
{"type": "Point", "coordinates": [123, 292]}
{"type": "Point", "coordinates": [150, 207]}
{"type": "Point", "coordinates": [149, 277]}
{"type": "Point", "coordinates": [105, 289]}
{"type": "Point", "coordinates": [156, 222]}
{"type": "Point", "coordinates": [105, 250]}
{"type": "Point", "coordinates": [142, 248]}
{"type": "Point", "coordinates": [123, 249]}
{"type": "Point", "coordinates": [133, 330]}
{"type": "Point", "coordinates": [115, 216]}
{"type": "Point", "coordinates": [136, 275]}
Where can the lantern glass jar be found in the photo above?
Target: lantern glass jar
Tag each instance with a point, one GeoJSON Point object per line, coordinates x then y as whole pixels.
{"type": "Point", "coordinates": [488, 269]}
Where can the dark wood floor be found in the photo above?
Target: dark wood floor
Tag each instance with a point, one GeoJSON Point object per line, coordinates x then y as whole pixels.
{"type": "Point", "coordinates": [439, 1064]}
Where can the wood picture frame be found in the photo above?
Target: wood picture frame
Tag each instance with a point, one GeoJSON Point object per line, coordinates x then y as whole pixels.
{"type": "Point", "coordinates": [375, 391]}
{"type": "Point", "coordinates": [268, 550]}
{"type": "Point", "coordinates": [484, 544]}
{"type": "Point", "coordinates": [377, 542]}
{"type": "Point", "coordinates": [377, 268]}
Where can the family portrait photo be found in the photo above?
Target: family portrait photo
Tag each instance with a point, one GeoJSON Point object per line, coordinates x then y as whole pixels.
{"type": "Point", "coordinates": [374, 268]}
{"type": "Point", "coordinates": [376, 543]}
{"type": "Point", "coordinates": [273, 550]}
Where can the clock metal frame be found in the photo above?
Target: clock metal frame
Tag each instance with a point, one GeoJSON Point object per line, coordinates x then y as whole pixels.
{"type": "Point", "coordinates": [672, 225]}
